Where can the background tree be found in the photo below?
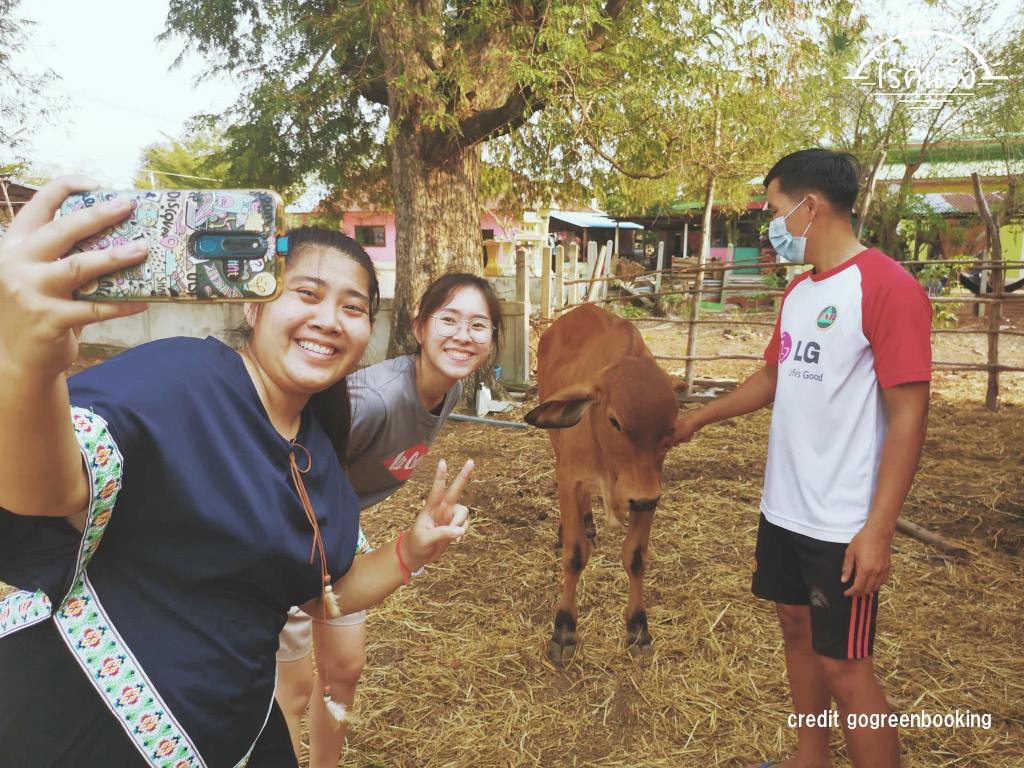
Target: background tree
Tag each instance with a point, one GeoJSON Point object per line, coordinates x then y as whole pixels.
{"type": "Point", "coordinates": [24, 100]}
{"type": "Point", "coordinates": [194, 160]}
{"type": "Point", "coordinates": [889, 130]}
{"type": "Point", "coordinates": [414, 90]}
{"type": "Point", "coordinates": [1002, 115]}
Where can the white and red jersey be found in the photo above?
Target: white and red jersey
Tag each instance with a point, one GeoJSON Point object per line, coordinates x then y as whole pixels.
{"type": "Point", "coordinates": [841, 337]}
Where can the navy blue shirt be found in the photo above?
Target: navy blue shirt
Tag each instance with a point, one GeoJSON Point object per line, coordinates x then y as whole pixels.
{"type": "Point", "coordinates": [208, 544]}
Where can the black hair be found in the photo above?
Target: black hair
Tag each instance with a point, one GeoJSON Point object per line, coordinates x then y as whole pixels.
{"type": "Point", "coordinates": [439, 291]}
{"type": "Point", "coordinates": [331, 406]}
{"type": "Point", "coordinates": [834, 174]}
{"type": "Point", "coordinates": [346, 246]}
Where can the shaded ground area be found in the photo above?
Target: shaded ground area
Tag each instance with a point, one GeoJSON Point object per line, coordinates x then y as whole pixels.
{"type": "Point", "coordinates": [457, 674]}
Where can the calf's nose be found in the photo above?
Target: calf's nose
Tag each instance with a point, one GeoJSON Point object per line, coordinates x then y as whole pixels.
{"type": "Point", "coordinates": [643, 505]}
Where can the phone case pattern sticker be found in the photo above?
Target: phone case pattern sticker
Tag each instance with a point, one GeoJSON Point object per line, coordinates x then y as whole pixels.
{"type": "Point", "coordinates": [171, 222]}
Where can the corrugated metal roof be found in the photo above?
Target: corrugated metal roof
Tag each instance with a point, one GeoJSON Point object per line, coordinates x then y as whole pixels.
{"type": "Point", "coordinates": [586, 220]}
{"type": "Point", "coordinates": [949, 170]}
{"type": "Point", "coordinates": [952, 203]}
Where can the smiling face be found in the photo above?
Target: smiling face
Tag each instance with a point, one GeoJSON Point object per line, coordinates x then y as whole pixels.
{"type": "Point", "coordinates": [455, 357]}
{"type": "Point", "coordinates": [314, 334]}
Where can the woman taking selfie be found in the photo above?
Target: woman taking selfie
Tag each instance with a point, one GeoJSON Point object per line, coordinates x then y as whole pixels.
{"type": "Point", "coordinates": [164, 509]}
{"type": "Point", "coordinates": [398, 409]}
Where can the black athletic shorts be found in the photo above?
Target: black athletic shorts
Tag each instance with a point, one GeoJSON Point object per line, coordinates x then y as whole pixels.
{"type": "Point", "coordinates": [794, 569]}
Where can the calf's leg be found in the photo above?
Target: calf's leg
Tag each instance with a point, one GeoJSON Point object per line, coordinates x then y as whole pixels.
{"type": "Point", "coordinates": [634, 560]}
{"type": "Point", "coordinates": [574, 503]}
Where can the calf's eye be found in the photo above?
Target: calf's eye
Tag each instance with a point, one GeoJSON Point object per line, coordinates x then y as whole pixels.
{"type": "Point", "coordinates": [615, 424]}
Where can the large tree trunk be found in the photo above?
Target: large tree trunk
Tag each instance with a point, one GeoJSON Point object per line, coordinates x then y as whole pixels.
{"type": "Point", "coordinates": [437, 215]}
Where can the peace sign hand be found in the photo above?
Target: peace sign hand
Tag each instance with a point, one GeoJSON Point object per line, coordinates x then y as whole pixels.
{"type": "Point", "coordinates": [441, 521]}
{"type": "Point", "coordinates": [41, 319]}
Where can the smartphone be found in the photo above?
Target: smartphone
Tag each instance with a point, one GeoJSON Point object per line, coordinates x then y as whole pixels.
{"type": "Point", "coordinates": [206, 245]}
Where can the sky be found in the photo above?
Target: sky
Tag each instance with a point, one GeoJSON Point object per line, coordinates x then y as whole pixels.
{"type": "Point", "coordinates": [116, 89]}
{"type": "Point", "coordinates": [119, 94]}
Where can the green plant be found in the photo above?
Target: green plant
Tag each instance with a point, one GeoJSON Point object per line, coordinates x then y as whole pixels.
{"type": "Point", "coordinates": [776, 279]}
{"type": "Point", "coordinates": [938, 279]}
{"type": "Point", "coordinates": [944, 315]}
{"type": "Point", "coordinates": [672, 303]}
{"type": "Point", "coordinates": [631, 312]}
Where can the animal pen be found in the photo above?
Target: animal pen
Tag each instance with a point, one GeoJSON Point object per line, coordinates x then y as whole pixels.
{"type": "Point", "coordinates": [564, 287]}
{"type": "Point", "coordinates": [691, 282]}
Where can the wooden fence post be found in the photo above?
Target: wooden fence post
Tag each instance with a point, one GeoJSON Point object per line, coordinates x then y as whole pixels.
{"type": "Point", "coordinates": [545, 282]}
{"type": "Point", "coordinates": [609, 266]}
{"type": "Point", "coordinates": [698, 284]}
{"type": "Point", "coordinates": [522, 353]}
{"type": "Point", "coordinates": [594, 286]}
{"type": "Point", "coordinates": [661, 263]}
{"type": "Point", "coordinates": [559, 277]}
{"type": "Point", "coordinates": [574, 273]}
{"type": "Point", "coordinates": [995, 313]}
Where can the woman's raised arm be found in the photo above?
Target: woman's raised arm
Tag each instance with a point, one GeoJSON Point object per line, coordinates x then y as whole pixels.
{"type": "Point", "coordinates": [376, 575]}
{"type": "Point", "coordinates": [41, 469]}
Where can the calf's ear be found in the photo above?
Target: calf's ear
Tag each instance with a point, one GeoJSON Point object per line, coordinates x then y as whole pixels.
{"type": "Point", "coordinates": [564, 408]}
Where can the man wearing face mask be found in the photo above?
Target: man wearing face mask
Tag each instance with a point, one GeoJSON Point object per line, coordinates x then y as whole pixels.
{"type": "Point", "coordinates": [848, 370]}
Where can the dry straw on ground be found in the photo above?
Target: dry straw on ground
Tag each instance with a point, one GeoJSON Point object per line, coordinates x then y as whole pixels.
{"type": "Point", "coordinates": [456, 669]}
{"type": "Point", "coordinates": [457, 673]}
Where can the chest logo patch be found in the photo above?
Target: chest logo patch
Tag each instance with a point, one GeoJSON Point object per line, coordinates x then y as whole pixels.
{"type": "Point", "coordinates": [404, 463]}
{"type": "Point", "coordinates": [785, 346]}
{"type": "Point", "coordinates": [827, 317]}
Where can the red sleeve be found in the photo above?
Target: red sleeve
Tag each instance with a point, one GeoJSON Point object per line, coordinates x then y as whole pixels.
{"type": "Point", "coordinates": [771, 352]}
{"type": "Point", "coordinates": [897, 318]}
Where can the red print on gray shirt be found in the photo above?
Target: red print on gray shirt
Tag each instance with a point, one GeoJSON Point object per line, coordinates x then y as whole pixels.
{"type": "Point", "coordinates": [403, 463]}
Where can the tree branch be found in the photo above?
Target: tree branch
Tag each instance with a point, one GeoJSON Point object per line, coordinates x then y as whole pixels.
{"type": "Point", "coordinates": [483, 125]}
{"type": "Point", "coordinates": [599, 32]}
{"type": "Point", "coordinates": [618, 166]}
{"type": "Point", "coordinates": [375, 90]}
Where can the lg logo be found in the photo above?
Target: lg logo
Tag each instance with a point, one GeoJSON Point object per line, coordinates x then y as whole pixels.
{"type": "Point", "coordinates": [811, 351]}
{"type": "Point", "coordinates": [806, 351]}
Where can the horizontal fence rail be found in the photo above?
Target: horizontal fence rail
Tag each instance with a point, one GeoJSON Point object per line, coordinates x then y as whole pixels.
{"type": "Point", "coordinates": [596, 275]}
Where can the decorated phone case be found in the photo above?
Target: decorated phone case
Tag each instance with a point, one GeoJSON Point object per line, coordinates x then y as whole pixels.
{"type": "Point", "coordinates": [204, 245]}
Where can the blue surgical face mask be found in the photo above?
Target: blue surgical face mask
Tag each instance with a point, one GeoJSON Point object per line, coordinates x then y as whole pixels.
{"type": "Point", "coordinates": [788, 246]}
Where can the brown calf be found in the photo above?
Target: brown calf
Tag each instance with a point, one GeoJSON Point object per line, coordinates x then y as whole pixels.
{"type": "Point", "coordinates": [611, 410]}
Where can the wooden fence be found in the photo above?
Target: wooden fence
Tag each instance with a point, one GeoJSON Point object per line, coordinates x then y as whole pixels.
{"type": "Point", "coordinates": [570, 283]}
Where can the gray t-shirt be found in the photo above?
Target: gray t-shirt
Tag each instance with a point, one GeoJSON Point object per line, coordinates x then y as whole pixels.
{"type": "Point", "coordinates": [391, 430]}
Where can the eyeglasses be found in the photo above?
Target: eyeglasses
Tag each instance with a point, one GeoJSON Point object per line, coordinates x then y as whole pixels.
{"type": "Point", "coordinates": [447, 324]}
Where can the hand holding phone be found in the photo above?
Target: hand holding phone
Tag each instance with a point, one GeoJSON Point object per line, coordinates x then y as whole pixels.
{"type": "Point", "coordinates": [203, 245]}
{"type": "Point", "coordinates": [40, 321]}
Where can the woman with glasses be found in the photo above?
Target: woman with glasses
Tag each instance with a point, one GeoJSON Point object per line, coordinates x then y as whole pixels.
{"type": "Point", "coordinates": [398, 409]}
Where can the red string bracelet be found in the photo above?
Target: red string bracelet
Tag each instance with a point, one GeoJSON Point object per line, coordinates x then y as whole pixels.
{"type": "Point", "coordinates": [406, 573]}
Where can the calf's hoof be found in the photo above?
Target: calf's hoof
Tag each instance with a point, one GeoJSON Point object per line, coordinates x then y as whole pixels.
{"type": "Point", "coordinates": [561, 655]}
{"type": "Point", "coordinates": [641, 651]}
{"type": "Point", "coordinates": [638, 637]}
{"type": "Point", "coordinates": [562, 646]}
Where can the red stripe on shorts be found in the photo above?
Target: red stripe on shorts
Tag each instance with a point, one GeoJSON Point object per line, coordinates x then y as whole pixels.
{"type": "Point", "coordinates": [867, 626]}
{"type": "Point", "coordinates": [862, 623]}
{"type": "Point", "coordinates": [851, 640]}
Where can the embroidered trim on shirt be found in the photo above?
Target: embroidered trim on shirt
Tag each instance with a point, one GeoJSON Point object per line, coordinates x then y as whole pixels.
{"type": "Point", "coordinates": [92, 638]}
{"type": "Point", "coordinates": [362, 543]}
{"type": "Point", "coordinates": [23, 609]}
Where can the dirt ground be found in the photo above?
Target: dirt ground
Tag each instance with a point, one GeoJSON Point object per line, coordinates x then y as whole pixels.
{"type": "Point", "coordinates": [456, 670]}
